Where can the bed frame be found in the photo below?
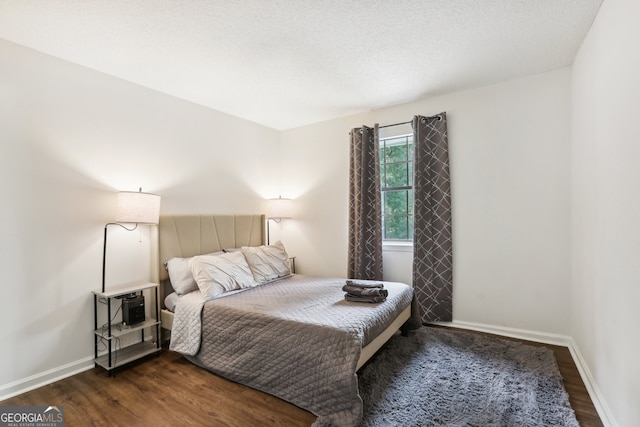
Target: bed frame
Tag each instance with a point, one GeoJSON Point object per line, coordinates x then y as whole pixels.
{"type": "Point", "coordinates": [185, 236]}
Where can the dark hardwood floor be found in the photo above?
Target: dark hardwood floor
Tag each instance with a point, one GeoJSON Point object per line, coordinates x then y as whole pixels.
{"type": "Point", "coordinates": [170, 391]}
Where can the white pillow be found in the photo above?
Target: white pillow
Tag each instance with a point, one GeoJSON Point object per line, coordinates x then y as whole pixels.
{"type": "Point", "coordinates": [221, 273]}
{"type": "Point", "coordinates": [267, 263]}
{"type": "Point", "coordinates": [171, 300]}
{"type": "Point", "coordinates": [180, 274]}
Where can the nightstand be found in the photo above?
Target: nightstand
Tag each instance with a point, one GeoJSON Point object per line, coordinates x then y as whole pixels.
{"type": "Point", "coordinates": [111, 334]}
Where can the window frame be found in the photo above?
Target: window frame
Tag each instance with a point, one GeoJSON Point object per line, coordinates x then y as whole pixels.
{"type": "Point", "coordinates": [404, 244]}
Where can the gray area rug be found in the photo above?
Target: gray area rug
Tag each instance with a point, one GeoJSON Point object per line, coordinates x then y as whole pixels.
{"type": "Point", "coordinates": [442, 377]}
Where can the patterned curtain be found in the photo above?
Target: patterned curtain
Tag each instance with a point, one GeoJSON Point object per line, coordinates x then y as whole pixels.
{"type": "Point", "coordinates": [365, 212]}
{"type": "Point", "coordinates": [432, 248]}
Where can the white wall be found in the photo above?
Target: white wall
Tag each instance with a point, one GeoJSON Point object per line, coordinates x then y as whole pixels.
{"type": "Point", "coordinates": [606, 206]}
{"type": "Point", "coordinates": [70, 138]}
{"type": "Point", "coordinates": [510, 157]}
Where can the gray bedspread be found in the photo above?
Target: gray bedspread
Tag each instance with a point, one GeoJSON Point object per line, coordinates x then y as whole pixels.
{"type": "Point", "coordinates": [297, 339]}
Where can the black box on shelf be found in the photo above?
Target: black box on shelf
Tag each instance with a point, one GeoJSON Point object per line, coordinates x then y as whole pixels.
{"type": "Point", "coordinates": [133, 310]}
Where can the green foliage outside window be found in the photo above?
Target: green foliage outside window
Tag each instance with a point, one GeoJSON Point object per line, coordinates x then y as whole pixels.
{"type": "Point", "coordinates": [396, 174]}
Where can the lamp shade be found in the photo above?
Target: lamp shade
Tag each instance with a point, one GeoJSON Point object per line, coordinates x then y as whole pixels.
{"type": "Point", "coordinates": [280, 208]}
{"type": "Point", "coordinates": [138, 207]}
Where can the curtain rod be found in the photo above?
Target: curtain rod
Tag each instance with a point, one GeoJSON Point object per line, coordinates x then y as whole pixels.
{"type": "Point", "coordinates": [437, 116]}
{"type": "Point", "coordinates": [395, 124]}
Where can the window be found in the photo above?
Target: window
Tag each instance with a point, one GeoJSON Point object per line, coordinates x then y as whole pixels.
{"type": "Point", "coordinates": [396, 175]}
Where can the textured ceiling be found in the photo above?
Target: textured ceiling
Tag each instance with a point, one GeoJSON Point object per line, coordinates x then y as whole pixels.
{"type": "Point", "coordinates": [287, 63]}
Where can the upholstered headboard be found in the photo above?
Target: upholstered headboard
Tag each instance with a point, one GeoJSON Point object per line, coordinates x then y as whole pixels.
{"type": "Point", "coordinates": [185, 236]}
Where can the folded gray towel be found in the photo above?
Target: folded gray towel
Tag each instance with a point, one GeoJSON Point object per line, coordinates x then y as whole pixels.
{"type": "Point", "coordinates": [365, 284]}
{"type": "Point", "coordinates": [373, 292]}
{"type": "Point", "coordinates": [370, 299]}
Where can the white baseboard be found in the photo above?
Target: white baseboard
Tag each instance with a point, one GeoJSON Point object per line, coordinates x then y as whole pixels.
{"type": "Point", "coordinates": [43, 378]}
{"type": "Point", "coordinates": [546, 338]}
{"type": "Point", "coordinates": [523, 334]}
{"type": "Point", "coordinates": [592, 388]}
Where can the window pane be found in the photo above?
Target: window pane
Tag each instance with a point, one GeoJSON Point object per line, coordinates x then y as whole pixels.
{"type": "Point", "coordinates": [399, 140]}
{"type": "Point", "coordinates": [396, 228]}
{"type": "Point", "coordinates": [395, 153]}
{"type": "Point", "coordinates": [410, 236]}
{"type": "Point", "coordinates": [395, 202]}
{"type": "Point", "coordinates": [396, 170]}
{"type": "Point", "coordinates": [410, 202]}
{"type": "Point", "coordinates": [410, 164]}
{"type": "Point", "coordinates": [397, 175]}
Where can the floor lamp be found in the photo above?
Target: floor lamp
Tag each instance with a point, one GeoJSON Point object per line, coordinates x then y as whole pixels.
{"type": "Point", "coordinates": [277, 210]}
{"type": "Point", "coordinates": [133, 208]}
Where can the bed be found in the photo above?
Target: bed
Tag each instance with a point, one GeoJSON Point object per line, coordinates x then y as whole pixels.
{"type": "Point", "coordinates": [292, 336]}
